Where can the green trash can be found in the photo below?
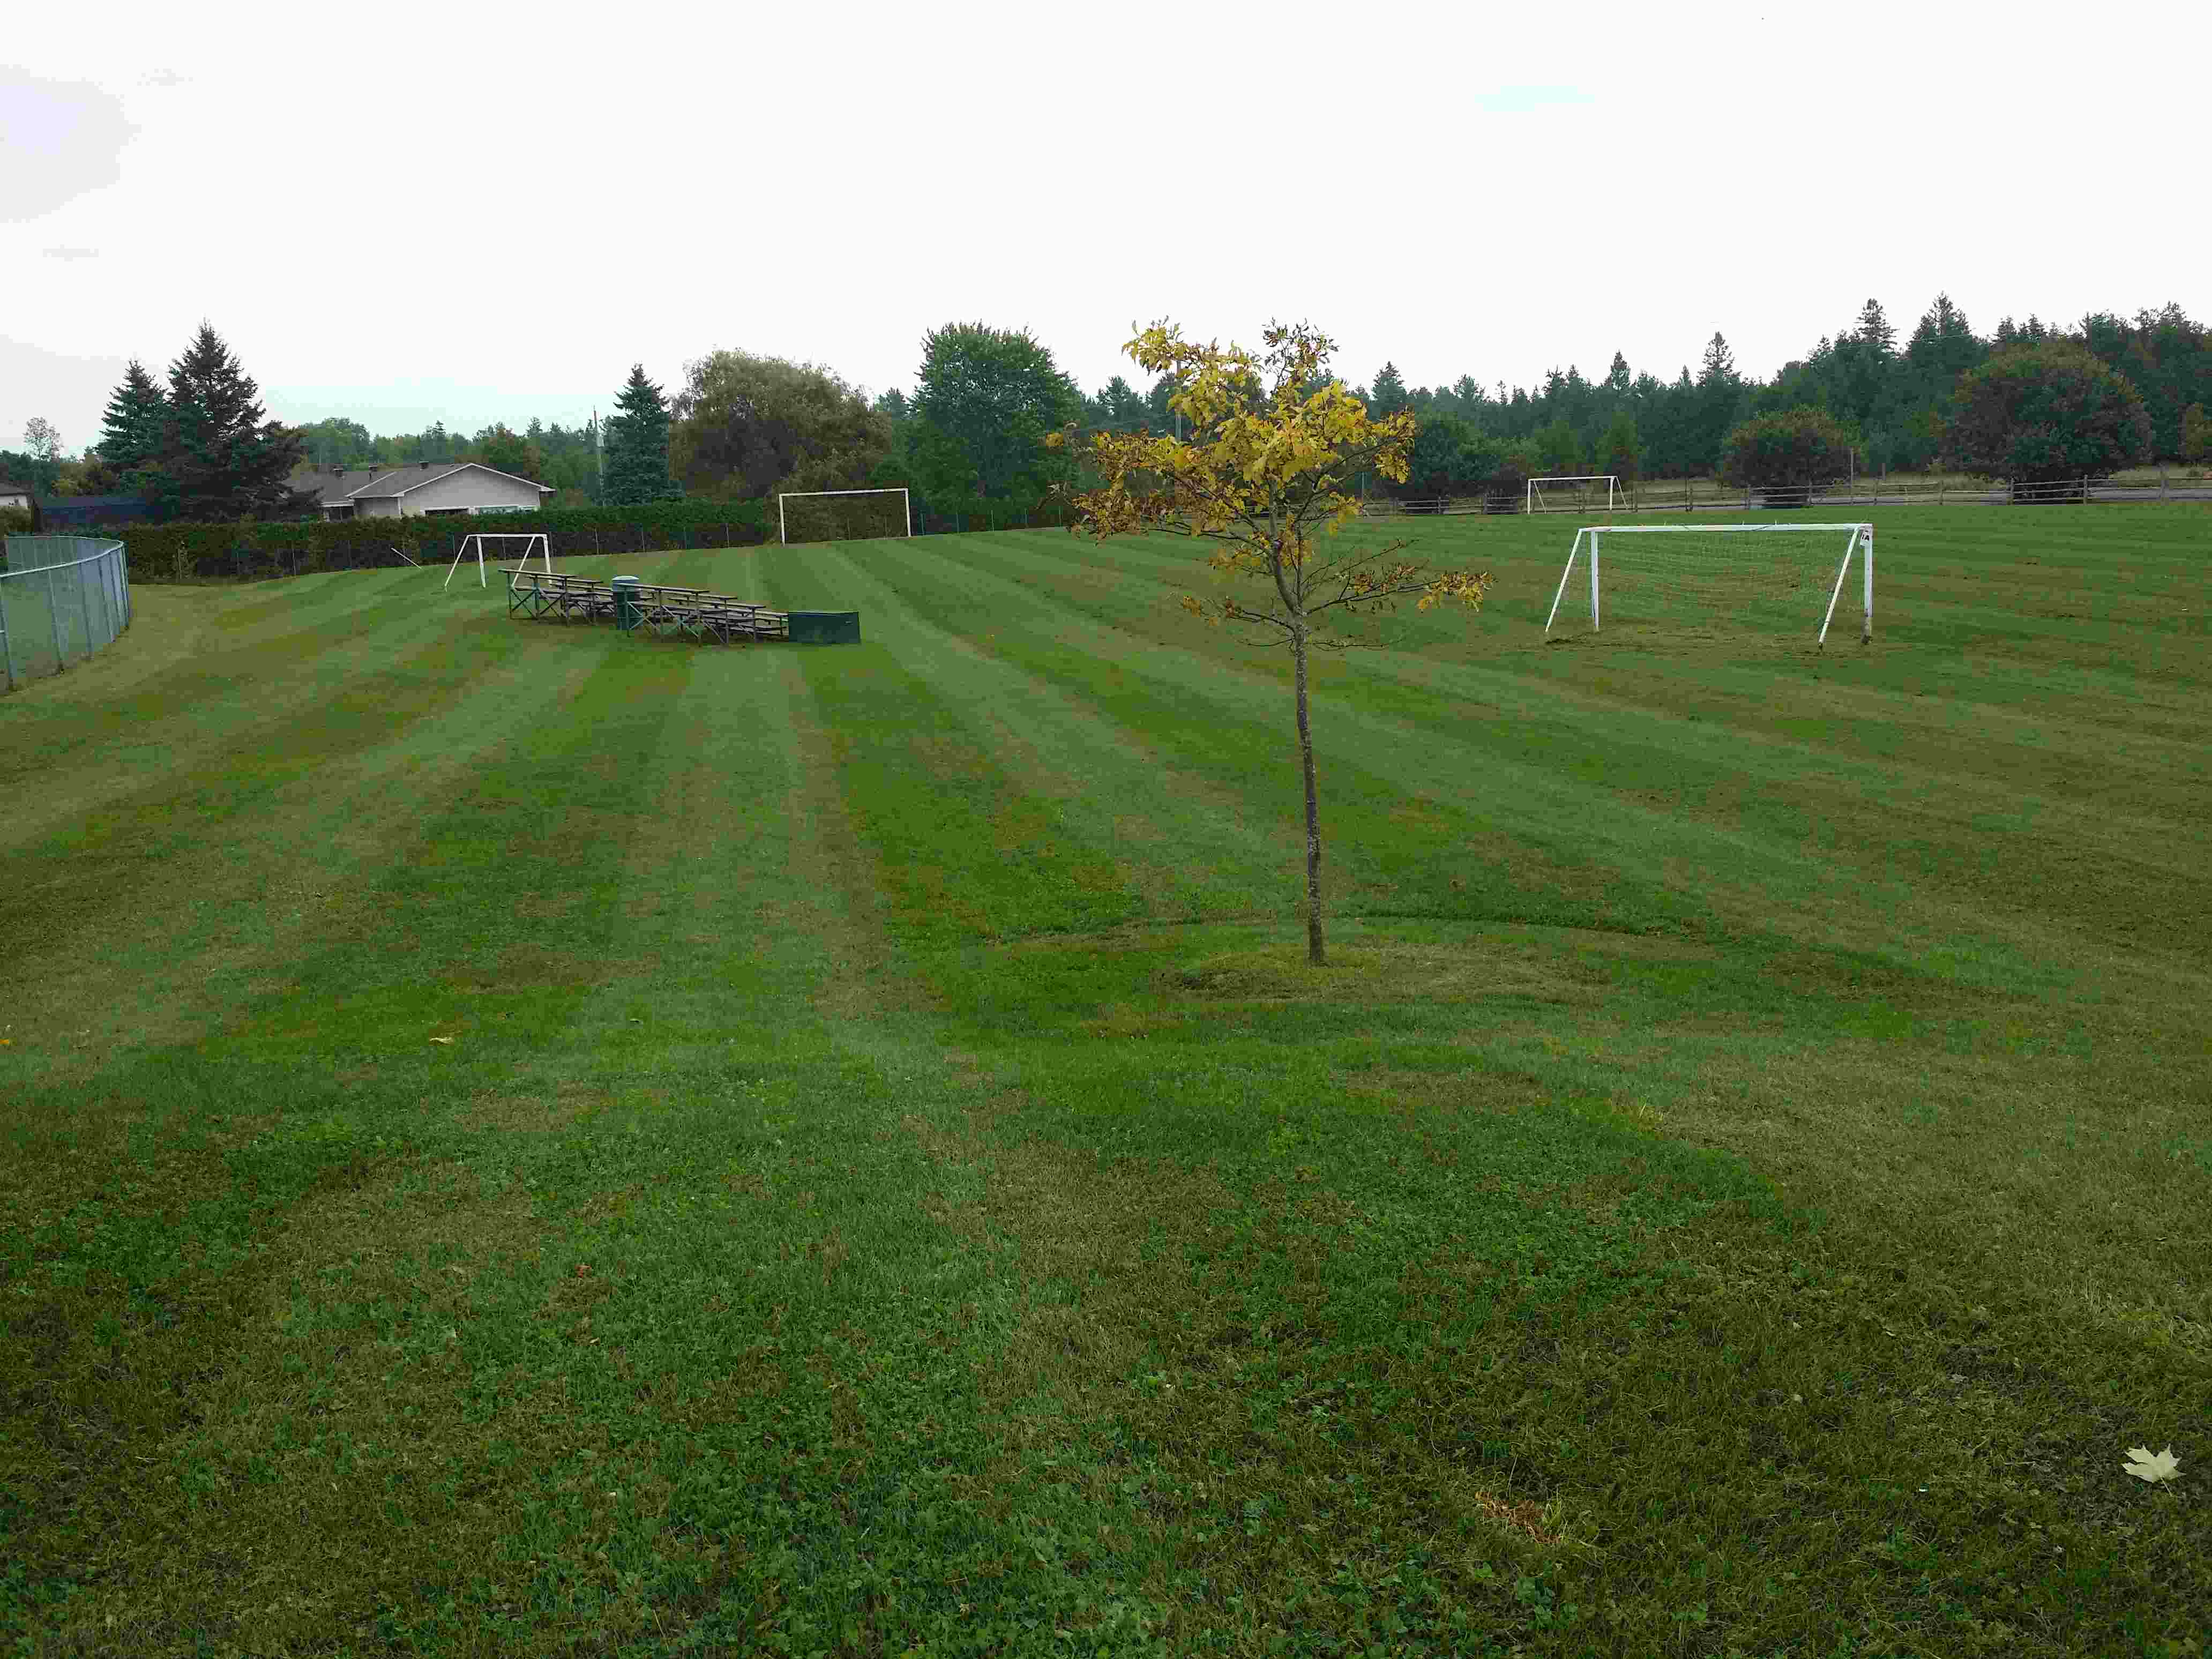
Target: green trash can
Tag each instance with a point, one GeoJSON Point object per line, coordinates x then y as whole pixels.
{"type": "Point", "coordinates": [627, 609]}
{"type": "Point", "coordinates": [825, 628]}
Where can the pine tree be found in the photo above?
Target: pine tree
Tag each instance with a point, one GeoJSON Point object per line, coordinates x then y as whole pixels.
{"type": "Point", "coordinates": [1874, 329]}
{"type": "Point", "coordinates": [221, 457]}
{"type": "Point", "coordinates": [637, 445]}
{"type": "Point", "coordinates": [1388, 395]}
{"type": "Point", "coordinates": [130, 433]}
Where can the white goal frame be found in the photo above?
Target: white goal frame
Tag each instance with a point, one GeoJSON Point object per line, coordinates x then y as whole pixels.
{"type": "Point", "coordinates": [1613, 500]}
{"type": "Point", "coordinates": [540, 544]}
{"type": "Point", "coordinates": [906, 503]}
{"type": "Point", "coordinates": [1861, 544]}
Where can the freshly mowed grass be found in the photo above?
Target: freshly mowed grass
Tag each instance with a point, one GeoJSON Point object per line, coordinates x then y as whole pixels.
{"type": "Point", "coordinates": [521, 1139]}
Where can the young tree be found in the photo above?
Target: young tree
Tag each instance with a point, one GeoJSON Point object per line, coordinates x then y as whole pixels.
{"type": "Point", "coordinates": [637, 446]}
{"type": "Point", "coordinates": [130, 432]}
{"type": "Point", "coordinates": [221, 456]}
{"type": "Point", "coordinates": [1273, 443]}
{"type": "Point", "coordinates": [42, 439]}
{"type": "Point", "coordinates": [2045, 410]}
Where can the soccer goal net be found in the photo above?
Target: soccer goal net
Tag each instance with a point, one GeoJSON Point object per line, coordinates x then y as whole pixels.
{"type": "Point", "coordinates": [533, 545]}
{"type": "Point", "coordinates": [1598, 493]}
{"type": "Point", "coordinates": [841, 515]}
{"type": "Point", "coordinates": [1789, 579]}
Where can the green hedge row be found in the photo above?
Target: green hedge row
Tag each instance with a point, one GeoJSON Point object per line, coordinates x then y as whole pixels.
{"type": "Point", "coordinates": [251, 551]}
{"type": "Point", "coordinates": [201, 552]}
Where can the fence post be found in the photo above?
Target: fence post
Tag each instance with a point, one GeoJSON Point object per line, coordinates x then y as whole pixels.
{"type": "Point", "coordinates": [84, 603]}
{"type": "Point", "coordinates": [7, 644]}
{"type": "Point", "coordinates": [54, 616]}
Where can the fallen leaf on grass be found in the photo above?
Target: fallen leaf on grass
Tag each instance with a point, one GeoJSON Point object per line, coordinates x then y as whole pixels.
{"type": "Point", "coordinates": [442, 1039]}
{"type": "Point", "coordinates": [2153, 1467]}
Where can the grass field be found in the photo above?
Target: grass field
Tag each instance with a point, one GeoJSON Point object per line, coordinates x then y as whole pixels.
{"type": "Point", "coordinates": [522, 1139]}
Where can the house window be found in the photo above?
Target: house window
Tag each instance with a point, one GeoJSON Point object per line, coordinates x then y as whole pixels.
{"type": "Point", "coordinates": [338, 513]}
{"type": "Point", "coordinates": [444, 512]}
{"type": "Point", "coordinates": [503, 507]}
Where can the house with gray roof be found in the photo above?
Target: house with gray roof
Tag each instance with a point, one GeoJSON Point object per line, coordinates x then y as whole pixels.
{"type": "Point", "coordinates": [15, 494]}
{"type": "Point", "coordinates": [424, 488]}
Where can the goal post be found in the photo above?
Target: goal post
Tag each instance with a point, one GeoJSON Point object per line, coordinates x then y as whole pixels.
{"type": "Point", "coordinates": [535, 544]}
{"type": "Point", "coordinates": [898, 522]}
{"type": "Point", "coordinates": [1595, 492]}
{"type": "Point", "coordinates": [1775, 577]}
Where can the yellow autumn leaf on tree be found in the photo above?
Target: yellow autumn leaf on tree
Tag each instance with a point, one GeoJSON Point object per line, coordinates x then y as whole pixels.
{"type": "Point", "coordinates": [1275, 442]}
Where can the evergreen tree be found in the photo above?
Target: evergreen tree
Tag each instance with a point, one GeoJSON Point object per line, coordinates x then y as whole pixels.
{"type": "Point", "coordinates": [221, 457]}
{"type": "Point", "coordinates": [1720, 400]}
{"type": "Point", "coordinates": [130, 433]}
{"type": "Point", "coordinates": [637, 445]}
{"type": "Point", "coordinates": [1388, 396]}
{"type": "Point", "coordinates": [1874, 329]}
{"type": "Point", "coordinates": [1943, 347]}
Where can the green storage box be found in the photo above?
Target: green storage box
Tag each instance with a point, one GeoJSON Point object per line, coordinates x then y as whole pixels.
{"type": "Point", "coordinates": [825, 628]}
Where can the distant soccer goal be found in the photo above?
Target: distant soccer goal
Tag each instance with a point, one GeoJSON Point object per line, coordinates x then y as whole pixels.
{"type": "Point", "coordinates": [1598, 492]}
{"type": "Point", "coordinates": [534, 545]}
{"type": "Point", "coordinates": [1787, 579]}
{"type": "Point", "coordinates": [841, 515]}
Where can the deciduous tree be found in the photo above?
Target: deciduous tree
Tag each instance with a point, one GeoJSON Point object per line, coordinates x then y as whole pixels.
{"type": "Point", "coordinates": [1620, 451]}
{"type": "Point", "coordinates": [986, 399]}
{"type": "Point", "coordinates": [1263, 476]}
{"type": "Point", "coordinates": [747, 426]}
{"type": "Point", "coordinates": [1793, 450]}
{"type": "Point", "coordinates": [2045, 410]}
{"type": "Point", "coordinates": [41, 439]}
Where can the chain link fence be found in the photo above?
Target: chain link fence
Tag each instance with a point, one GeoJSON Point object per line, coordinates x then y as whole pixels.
{"type": "Point", "coordinates": [62, 598]}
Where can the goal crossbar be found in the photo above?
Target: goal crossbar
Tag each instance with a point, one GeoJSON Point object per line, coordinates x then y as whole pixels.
{"type": "Point", "coordinates": [1860, 543]}
{"type": "Point", "coordinates": [782, 536]}
{"type": "Point", "coordinates": [536, 543]}
{"type": "Point", "coordinates": [1534, 489]}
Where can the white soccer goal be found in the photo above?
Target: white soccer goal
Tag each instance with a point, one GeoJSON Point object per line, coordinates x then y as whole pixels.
{"type": "Point", "coordinates": [873, 520]}
{"type": "Point", "coordinates": [1597, 492]}
{"type": "Point", "coordinates": [1771, 577]}
{"type": "Point", "coordinates": [534, 543]}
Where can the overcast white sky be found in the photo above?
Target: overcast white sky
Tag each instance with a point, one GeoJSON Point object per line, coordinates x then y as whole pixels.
{"type": "Point", "coordinates": [472, 213]}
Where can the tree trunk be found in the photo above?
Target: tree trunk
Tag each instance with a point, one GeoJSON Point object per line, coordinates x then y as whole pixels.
{"type": "Point", "coordinates": [1316, 955]}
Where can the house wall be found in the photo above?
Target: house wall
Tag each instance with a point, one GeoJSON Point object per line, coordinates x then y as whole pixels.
{"type": "Point", "coordinates": [471, 487]}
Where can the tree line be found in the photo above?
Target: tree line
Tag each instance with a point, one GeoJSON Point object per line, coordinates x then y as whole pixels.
{"type": "Point", "coordinates": [2029, 399]}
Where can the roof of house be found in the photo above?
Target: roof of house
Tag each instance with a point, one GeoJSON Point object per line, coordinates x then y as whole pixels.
{"type": "Point", "coordinates": [335, 486]}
